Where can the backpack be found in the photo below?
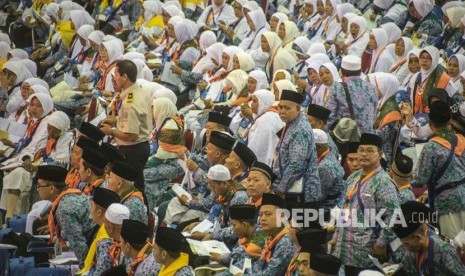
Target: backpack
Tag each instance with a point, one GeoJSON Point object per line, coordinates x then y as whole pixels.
{"type": "Point", "coordinates": [345, 130]}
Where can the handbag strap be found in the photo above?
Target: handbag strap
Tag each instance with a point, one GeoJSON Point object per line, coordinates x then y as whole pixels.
{"type": "Point", "coordinates": [434, 180]}
{"type": "Point", "coordinates": [349, 101]}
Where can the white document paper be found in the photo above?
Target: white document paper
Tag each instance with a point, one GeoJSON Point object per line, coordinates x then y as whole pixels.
{"type": "Point", "coordinates": [16, 131]}
{"type": "Point", "coordinates": [187, 174]}
{"type": "Point", "coordinates": [125, 21]}
{"type": "Point", "coordinates": [180, 191]}
{"type": "Point", "coordinates": [204, 248]}
{"type": "Point", "coordinates": [4, 123]}
{"type": "Point", "coordinates": [64, 258]}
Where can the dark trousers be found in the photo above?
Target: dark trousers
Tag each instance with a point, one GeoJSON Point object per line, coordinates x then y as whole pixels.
{"type": "Point", "coordinates": [137, 155]}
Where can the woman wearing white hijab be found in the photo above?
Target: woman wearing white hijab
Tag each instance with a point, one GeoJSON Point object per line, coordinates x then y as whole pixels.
{"type": "Point", "coordinates": [18, 53]}
{"type": "Point", "coordinates": [257, 81]}
{"type": "Point", "coordinates": [390, 10]}
{"type": "Point", "coordinates": [13, 76]}
{"type": "Point", "coordinates": [204, 64]}
{"type": "Point", "coordinates": [428, 26]}
{"type": "Point", "coordinates": [359, 37]}
{"type": "Point", "coordinates": [300, 47]}
{"type": "Point", "coordinates": [243, 61]}
{"type": "Point", "coordinates": [394, 33]}
{"type": "Point", "coordinates": [216, 12]}
{"type": "Point", "coordinates": [381, 59]}
{"type": "Point", "coordinates": [276, 19]}
{"type": "Point", "coordinates": [280, 86]}
{"type": "Point", "coordinates": [261, 137]}
{"type": "Point", "coordinates": [256, 21]}
{"type": "Point", "coordinates": [328, 76]}
{"type": "Point", "coordinates": [30, 66]}
{"type": "Point", "coordinates": [400, 67]}
{"type": "Point", "coordinates": [109, 54]}
{"type": "Point", "coordinates": [35, 138]}
{"type": "Point", "coordinates": [430, 77]}
{"type": "Point", "coordinates": [168, 139]}
{"type": "Point", "coordinates": [279, 58]}
{"type": "Point", "coordinates": [452, 37]}
{"type": "Point", "coordinates": [236, 81]}
{"type": "Point", "coordinates": [287, 32]}
{"type": "Point", "coordinates": [331, 26]}
{"type": "Point", "coordinates": [389, 117]}
{"type": "Point", "coordinates": [4, 50]}
{"type": "Point", "coordinates": [413, 65]}
{"type": "Point", "coordinates": [455, 66]}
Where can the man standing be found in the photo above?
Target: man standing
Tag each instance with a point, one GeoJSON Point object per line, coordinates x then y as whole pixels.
{"type": "Point", "coordinates": [330, 171]}
{"type": "Point", "coordinates": [295, 164]}
{"type": "Point", "coordinates": [368, 189]}
{"type": "Point", "coordinates": [130, 121]}
{"type": "Point", "coordinates": [441, 167]}
{"type": "Point", "coordinates": [362, 95]}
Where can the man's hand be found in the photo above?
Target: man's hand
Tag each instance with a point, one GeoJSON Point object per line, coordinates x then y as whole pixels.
{"type": "Point", "coordinates": [176, 69]}
{"type": "Point", "coordinates": [190, 227]}
{"type": "Point", "coordinates": [407, 111]}
{"type": "Point", "coordinates": [191, 165]}
{"type": "Point", "coordinates": [197, 236]}
{"type": "Point", "coordinates": [202, 85]}
{"type": "Point", "coordinates": [302, 84]}
{"type": "Point", "coordinates": [423, 199]}
{"type": "Point", "coordinates": [110, 120]}
{"type": "Point", "coordinates": [8, 143]}
{"type": "Point", "coordinates": [183, 199]}
{"type": "Point", "coordinates": [216, 257]}
{"type": "Point", "coordinates": [43, 230]}
{"type": "Point", "coordinates": [379, 252]}
{"type": "Point", "coordinates": [106, 128]}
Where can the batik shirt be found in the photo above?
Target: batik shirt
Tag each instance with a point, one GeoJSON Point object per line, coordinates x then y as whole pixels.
{"type": "Point", "coordinates": [297, 158]}
{"type": "Point", "coordinates": [148, 267]}
{"type": "Point", "coordinates": [364, 100]}
{"type": "Point", "coordinates": [406, 194]}
{"type": "Point", "coordinates": [432, 158]}
{"type": "Point", "coordinates": [430, 28]}
{"type": "Point", "coordinates": [238, 254]}
{"type": "Point", "coordinates": [73, 217]}
{"type": "Point", "coordinates": [282, 255]}
{"type": "Point", "coordinates": [446, 261]}
{"type": "Point", "coordinates": [185, 271]}
{"type": "Point", "coordinates": [158, 178]}
{"type": "Point", "coordinates": [354, 244]}
{"type": "Point", "coordinates": [137, 210]}
{"type": "Point", "coordinates": [331, 178]}
{"type": "Point", "coordinates": [225, 233]}
{"type": "Point", "coordinates": [103, 260]}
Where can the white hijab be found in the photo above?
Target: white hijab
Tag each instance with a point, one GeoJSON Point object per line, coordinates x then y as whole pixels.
{"type": "Point", "coordinates": [165, 93]}
{"type": "Point", "coordinates": [15, 66]}
{"type": "Point", "coordinates": [45, 100]}
{"type": "Point", "coordinates": [461, 62]}
{"type": "Point", "coordinates": [316, 48]}
{"type": "Point", "coordinates": [231, 51]}
{"type": "Point", "coordinates": [386, 83]}
{"type": "Point", "coordinates": [30, 66]}
{"type": "Point", "coordinates": [39, 89]}
{"type": "Point", "coordinates": [215, 51]}
{"type": "Point", "coordinates": [84, 32]}
{"type": "Point", "coordinates": [423, 7]}
{"type": "Point", "coordinates": [454, 15]}
{"type": "Point", "coordinates": [96, 37]}
{"type": "Point", "coordinates": [207, 38]}
{"type": "Point", "coordinates": [304, 45]}
{"type": "Point", "coordinates": [246, 61]}
{"type": "Point", "coordinates": [237, 79]}
{"type": "Point", "coordinates": [265, 100]}
{"type": "Point", "coordinates": [163, 108]}
{"type": "Point", "coordinates": [80, 17]}
{"type": "Point", "coordinates": [18, 53]}
{"type": "Point", "coordinates": [4, 50]}
{"type": "Point", "coordinates": [34, 81]}
{"type": "Point", "coordinates": [434, 53]}
{"type": "Point", "coordinates": [393, 31]}
{"type": "Point", "coordinates": [260, 77]}
{"type": "Point", "coordinates": [184, 32]}
{"type": "Point", "coordinates": [59, 120]}
{"type": "Point", "coordinates": [332, 68]}
{"type": "Point", "coordinates": [344, 8]}
{"type": "Point", "coordinates": [114, 50]}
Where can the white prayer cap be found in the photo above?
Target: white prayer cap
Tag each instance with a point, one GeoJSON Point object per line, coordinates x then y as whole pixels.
{"type": "Point", "coordinates": [320, 136]}
{"type": "Point", "coordinates": [219, 173]}
{"type": "Point", "coordinates": [370, 273]}
{"type": "Point", "coordinates": [116, 213]}
{"type": "Point", "coordinates": [351, 63]}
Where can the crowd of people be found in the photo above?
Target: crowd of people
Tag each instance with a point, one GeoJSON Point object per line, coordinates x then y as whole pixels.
{"type": "Point", "coordinates": [140, 122]}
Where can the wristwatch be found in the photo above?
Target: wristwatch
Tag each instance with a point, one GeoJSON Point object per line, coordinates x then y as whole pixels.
{"type": "Point", "coordinates": [113, 129]}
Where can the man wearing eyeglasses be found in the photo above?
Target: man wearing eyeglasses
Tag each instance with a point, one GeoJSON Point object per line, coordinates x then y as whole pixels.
{"type": "Point", "coordinates": [370, 191]}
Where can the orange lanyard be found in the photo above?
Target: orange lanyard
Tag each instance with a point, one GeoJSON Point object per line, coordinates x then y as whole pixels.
{"type": "Point", "coordinates": [323, 155]}
{"type": "Point", "coordinates": [421, 260]}
{"type": "Point", "coordinates": [406, 186]}
{"type": "Point", "coordinates": [359, 184]}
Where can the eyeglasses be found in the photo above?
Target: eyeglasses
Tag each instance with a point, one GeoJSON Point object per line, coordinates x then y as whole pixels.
{"type": "Point", "coordinates": [367, 151]}
{"type": "Point", "coordinates": [425, 58]}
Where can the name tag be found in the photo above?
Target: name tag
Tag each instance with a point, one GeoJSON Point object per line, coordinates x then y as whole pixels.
{"type": "Point", "coordinates": [395, 244]}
